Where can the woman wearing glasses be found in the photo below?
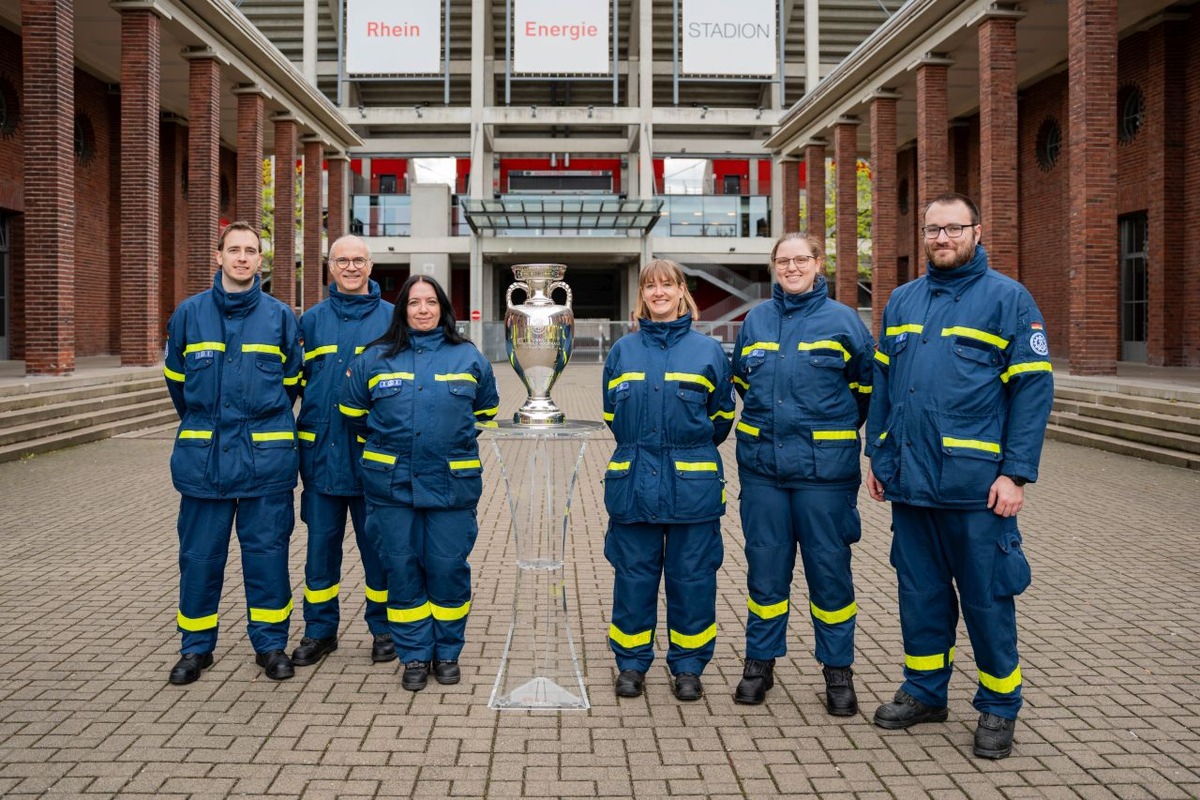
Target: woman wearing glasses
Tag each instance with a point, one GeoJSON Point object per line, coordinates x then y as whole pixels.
{"type": "Point", "coordinates": [415, 395]}
{"type": "Point", "coordinates": [803, 366]}
{"type": "Point", "coordinates": [669, 404]}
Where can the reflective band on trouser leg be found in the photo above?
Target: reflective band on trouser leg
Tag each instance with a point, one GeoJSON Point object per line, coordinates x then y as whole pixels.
{"type": "Point", "coordinates": [204, 527]}
{"type": "Point", "coordinates": [325, 517]}
{"type": "Point", "coordinates": [635, 551]}
{"type": "Point", "coordinates": [264, 529]}
{"type": "Point", "coordinates": [375, 611]}
{"type": "Point", "coordinates": [396, 534]}
{"type": "Point", "coordinates": [770, 562]}
{"type": "Point", "coordinates": [694, 554]}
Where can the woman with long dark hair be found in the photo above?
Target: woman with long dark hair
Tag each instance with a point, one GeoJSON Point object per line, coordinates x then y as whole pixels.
{"type": "Point", "coordinates": [415, 395]}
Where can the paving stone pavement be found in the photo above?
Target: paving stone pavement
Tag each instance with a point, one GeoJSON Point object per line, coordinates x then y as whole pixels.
{"type": "Point", "coordinates": [1110, 637]}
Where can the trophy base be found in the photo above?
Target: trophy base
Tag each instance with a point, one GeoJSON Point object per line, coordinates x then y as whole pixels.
{"type": "Point", "coordinates": [540, 694]}
{"type": "Point", "coordinates": [539, 411]}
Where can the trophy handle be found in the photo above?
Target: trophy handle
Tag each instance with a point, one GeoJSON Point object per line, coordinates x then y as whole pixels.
{"type": "Point", "coordinates": [515, 285]}
{"type": "Point", "coordinates": [560, 285]}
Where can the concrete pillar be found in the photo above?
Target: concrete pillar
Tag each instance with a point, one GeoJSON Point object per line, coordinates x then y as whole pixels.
{"type": "Point", "coordinates": [845, 153]}
{"type": "Point", "coordinates": [311, 265]}
{"type": "Point", "coordinates": [1092, 64]}
{"type": "Point", "coordinates": [250, 155]}
{"type": "Point", "coordinates": [933, 146]}
{"type": "Point", "coordinates": [885, 212]}
{"type": "Point", "coordinates": [48, 64]}
{"type": "Point", "coordinates": [339, 169]}
{"type": "Point", "coordinates": [814, 182]}
{"type": "Point", "coordinates": [283, 235]}
{"type": "Point", "coordinates": [999, 195]}
{"type": "Point", "coordinates": [203, 192]}
{"type": "Point", "coordinates": [431, 220]}
{"type": "Point", "coordinates": [141, 336]}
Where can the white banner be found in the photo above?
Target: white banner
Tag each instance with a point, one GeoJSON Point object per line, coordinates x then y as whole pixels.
{"type": "Point", "coordinates": [561, 37]}
{"type": "Point", "coordinates": [393, 38]}
{"type": "Point", "coordinates": [729, 38]}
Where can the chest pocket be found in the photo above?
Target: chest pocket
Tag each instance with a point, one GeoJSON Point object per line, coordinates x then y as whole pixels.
{"type": "Point", "coordinates": [827, 362]}
{"type": "Point", "coordinates": [465, 390]}
{"type": "Point", "coordinates": [753, 361]}
{"type": "Point", "coordinates": [267, 392]}
{"type": "Point", "coordinates": [976, 353]}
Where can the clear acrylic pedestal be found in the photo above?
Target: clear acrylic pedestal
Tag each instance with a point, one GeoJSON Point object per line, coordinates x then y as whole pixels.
{"type": "Point", "coordinates": [540, 670]}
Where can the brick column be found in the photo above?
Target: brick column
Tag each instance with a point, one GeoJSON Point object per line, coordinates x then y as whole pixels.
{"type": "Point", "coordinates": [339, 167]}
{"type": "Point", "coordinates": [791, 196]}
{"type": "Point", "coordinates": [1092, 267]}
{"type": "Point", "coordinates": [1167, 231]}
{"type": "Point", "coordinates": [933, 145]}
{"type": "Point", "coordinates": [250, 155]}
{"type": "Point", "coordinates": [203, 193]}
{"type": "Point", "coordinates": [845, 154]}
{"type": "Point", "coordinates": [141, 334]}
{"type": "Point", "coordinates": [311, 267]}
{"type": "Point", "coordinates": [48, 64]}
{"type": "Point", "coordinates": [885, 213]}
{"type": "Point", "coordinates": [283, 232]}
{"type": "Point", "coordinates": [998, 196]}
{"type": "Point", "coordinates": [814, 167]}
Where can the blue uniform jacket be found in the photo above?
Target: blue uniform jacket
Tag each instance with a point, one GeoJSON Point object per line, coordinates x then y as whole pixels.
{"type": "Point", "coordinates": [334, 331]}
{"type": "Point", "coordinates": [963, 387]}
{"type": "Point", "coordinates": [233, 370]}
{"type": "Point", "coordinates": [803, 365]}
{"type": "Point", "coordinates": [417, 411]}
{"type": "Point", "coordinates": [668, 401]}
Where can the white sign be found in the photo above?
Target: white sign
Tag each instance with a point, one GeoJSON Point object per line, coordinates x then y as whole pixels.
{"type": "Point", "coordinates": [385, 37]}
{"type": "Point", "coordinates": [560, 37]}
{"type": "Point", "coordinates": [726, 38]}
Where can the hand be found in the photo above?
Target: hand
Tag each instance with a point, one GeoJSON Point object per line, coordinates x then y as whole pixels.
{"type": "Point", "coordinates": [1005, 497]}
{"type": "Point", "coordinates": [874, 487]}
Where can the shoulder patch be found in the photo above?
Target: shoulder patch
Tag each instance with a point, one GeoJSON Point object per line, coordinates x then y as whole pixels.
{"type": "Point", "coordinates": [1038, 343]}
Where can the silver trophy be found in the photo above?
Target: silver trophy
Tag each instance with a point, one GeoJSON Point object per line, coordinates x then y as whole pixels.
{"type": "Point", "coordinates": [539, 335]}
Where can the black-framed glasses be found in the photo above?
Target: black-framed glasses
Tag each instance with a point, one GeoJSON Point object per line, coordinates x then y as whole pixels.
{"type": "Point", "coordinates": [799, 261]}
{"type": "Point", "coordinates": [953, 231]}
{"type": "Point", "coordinates": [344, 262]}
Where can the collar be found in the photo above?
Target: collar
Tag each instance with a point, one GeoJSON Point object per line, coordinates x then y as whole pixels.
{"type": "Point", "coordinates": [665, 333]}
{"type": "Point", "coordinates": [356, 306]}
{"type": "Point", "coordinates": [236, 303]}
{"type": "Point", "coordinates": [430, 339]}
{"type": "Point", "coordinates": [814, 297]}
{"type": "Point", "coordinates": [959, 277]}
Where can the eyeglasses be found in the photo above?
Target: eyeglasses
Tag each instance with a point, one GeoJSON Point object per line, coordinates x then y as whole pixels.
{"type": "Point", "coordinates": [953, 231]}
{"type": "Point", "coordinates": [799, 261]}
{"type": "Point", "coordinates": [344, 262]}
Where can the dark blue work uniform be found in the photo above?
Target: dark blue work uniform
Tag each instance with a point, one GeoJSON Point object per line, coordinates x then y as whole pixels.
{"type": "Point", "coordinates": [334, 331]}
{"type": "Point", "coordinates": [803, 365]}
{"type": "Point", "coordinates": [669, 403]}
{"type": "Point", "coordinates": [963, 390]}
{"type": "Point", "coordinates": [233, 370]}
{"type": "Point", "coordinates": [422, 477]}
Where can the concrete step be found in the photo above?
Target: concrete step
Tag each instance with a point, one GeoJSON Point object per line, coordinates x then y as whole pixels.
{"type": "Point", "coordinates": [73, 405]}
{"type": "Point", "coordinates": [1181, 392]}
{"type": "Point", "coordinates": [59, 385]}
{"type": "Point", "coordinates": [1171, 407]}
{"type": "Point", "coordinates": [39, 429]}
{"type": "Point", "coordinates": [1126, 447]}
{"type": "Point", "coordinates": [1184, 424]}
{"type": "Point", "coordinates": [1165, 439]}
{"type": "Point", "coordinates": [92, 433]}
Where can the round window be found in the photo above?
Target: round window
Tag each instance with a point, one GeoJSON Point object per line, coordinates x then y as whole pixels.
{"type": "Point", "coordinates": [1049, 144]}
{"type": "Point", "coordinates": [9, 113]}
{"type": "Point", "coordinates": [85, 139]}
{"type": "Point", "coordinates": [1131, 110]}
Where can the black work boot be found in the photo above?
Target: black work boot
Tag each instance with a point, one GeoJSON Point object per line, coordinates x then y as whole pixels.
{"type": "Point", "coordinates": [994, 736]}
{"type": "Point", "coordinates": [629, 683]}
{"type": "Point", "coordinates": [757, 678]}
{"type": "Point", "coordinates": [383, 649]}
{"type": "Point", "coordinates": [905, 711]}
{"type": "Point", "coordinates": [447, 673]}
{"type": "Point", "coordinates": [313, 650]}
{"type": "Point", "coordinates": [416, 675]}
{"type": "Point", "coordinates": [187, 669]}
{"type": "Point", "coordinates": [688, 687]}
{"type": "Point", "coordinates": [276, 665]}
{"type": "Point", "coordinates": [840, 699]}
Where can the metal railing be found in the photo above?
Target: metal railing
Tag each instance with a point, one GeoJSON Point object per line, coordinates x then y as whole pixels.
{"type": "Point", "coordinates": [715, 215]}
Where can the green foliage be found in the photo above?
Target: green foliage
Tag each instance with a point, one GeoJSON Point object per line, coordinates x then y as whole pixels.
{"type": "Point", "coordinates": [863, 185]}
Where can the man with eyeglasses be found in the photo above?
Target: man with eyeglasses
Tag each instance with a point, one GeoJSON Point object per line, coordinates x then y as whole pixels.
{"type": "Point", "coordinates": [962, 394]}
{"type": "Point", "coordinates": [334, 331]}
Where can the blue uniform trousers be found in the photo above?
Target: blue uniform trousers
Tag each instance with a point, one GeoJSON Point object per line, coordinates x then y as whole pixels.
{"type": "Point", "coordinates": [424, 556]}
{"type": "Point", "coordinates": [824, 524]}
{"type": "Point", "coordinates": [687, 555]}
{"type": "Point", "coordinates": [325, 516]}
{"type": "Point", "coordinates": [264, 530]}
{"type": "Point", "coordinates": [934, 550]}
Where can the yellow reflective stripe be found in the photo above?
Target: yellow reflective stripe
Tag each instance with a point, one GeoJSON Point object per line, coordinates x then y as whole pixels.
{"type": "Point", "coordinates": [196, 347]}
{"type": "Point", "coordinates": [448, 614]}
{"type": "Point", "coordinates": [1028, 366]}
{"type": "Point", "coordinates": [975, 333]}
{"type": "Point", "coordinates": [292, 381]}
{"type": "Point", "coordinates": [696, 466]}
{"type": "Point", "coordinates": [1006, 685]}
{"type": "Point", "coordinates": [971, 444]}
{"type": "Point", "coordinates": [911, 327]}
{"type": "Point", "coordinates": [479, 424]}
{"type": "Point", "coordinates": [609, 417]}
{"type": "Point", "coordinates": [308, 436]}
{"type": "Point", "coordinates": [376, 595]}
{"type": "Point", "coordinates": [694, 640]}
{"type": "Point", "coordinates": [195, 623]}
{"type": "Point", "coordinates": [271, 614]}
{"type": "Point", "coordinates": [834, 617]}
{"type": "Point", "coordinates": [824, 436]}
{"type": "Point", "coordinates": [470, 463]}
{"type": "Point", "coordinates": [321, 595]}
{"type": "Point", "coordinates": [360, 440]}
{"type": "Point", "coordinates": [630, 640]}
{"type": "Point", "coordinates": [760, 346]}
{"type": "Point", "coordinates": [767, 612]}
{"type": "Point", "coordinates": [750, 429]}
{"type": "Point", "coordinates": [618, 466]}
{"type": "Point", "coordinates": [860, 388]}
{"type": "Point", "coordinates": [359, 349]}
{"type": "Point", "coordinates": [690, 377]}
{"type": "Point", "coordinates": [171, 374]}
{"type": "Point", "coordinates": [883, 436]}
{"type": "Point", "coordinates": [272, 436]}
{"type": "Point", "coordinates": [409, 614]}
{"type": "Point", "coordinates": [323, 350]}
{"type": "Point", "coordinates": [386, 376]}
{"type": "Point", "coordinates": [270, 349]}
{"type": "Point", "coordinates": [740, 382]}
{"type": "Point", "coordinates": [382, 458]}
{"type": "Point", "coordinates": [721, 415]}
{"type": "Point", "coordinates": [485, 412]}
{"type": "Point", "coordinates": [826, 344]}
{"type": "Point", "coordinates": [455, 376]}
{"type": "Point", "coordinates": [352, 412]}
{"type": "Point", "coordinates": [927, 663]}
{"type": "Point", "coordinates": [186, 434]}
{"type": "Point", "coordinates": [626, 376]}
{"type": "Point", "coordinates": [882, 358]}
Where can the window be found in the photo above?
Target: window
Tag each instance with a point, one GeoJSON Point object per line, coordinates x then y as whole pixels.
{"type": "Point", "coordinates": [9, 108]}
{"type": "Point", "coordinates": [85, 139]}
{"type": "Point", "coordinates": [1049, 144]}
{"type": "Point", "coordinates": [1131, 110]}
